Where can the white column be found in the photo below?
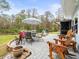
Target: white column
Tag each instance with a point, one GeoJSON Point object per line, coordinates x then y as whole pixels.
{"type": "Point", "coordinates": [78, 21]}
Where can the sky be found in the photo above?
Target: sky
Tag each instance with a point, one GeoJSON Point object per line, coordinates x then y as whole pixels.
{"type": "Point", "coordinates": [40, 5]}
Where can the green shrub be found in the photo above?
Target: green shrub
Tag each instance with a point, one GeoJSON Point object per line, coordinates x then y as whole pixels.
{"type": "Point", "coordinates": [39, 30]}
{"type": "Point", "coordinates": [9, 31]}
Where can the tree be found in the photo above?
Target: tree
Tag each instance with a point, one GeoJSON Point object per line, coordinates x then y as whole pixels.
{"type": "Point", "coordinates": [19, 17]}
{"type": "Point", "coordinates": [28, 13]}
{"type": "Point", "coordinates": [59, 14]}
{"type": "Point", "coordinates": [55, 27]}
{"type": "Point", "coordinates": [4, 5]}
{"type": "Point", "coordinates": [34, 13]}
{"type": "Point", "coordinates": [22, 14]}
{"type": "Point", "coordinates": [48, 19]}
{"type": "Point", "coordinates": [4, 21]}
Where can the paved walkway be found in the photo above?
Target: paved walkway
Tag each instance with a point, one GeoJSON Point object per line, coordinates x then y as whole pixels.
{"type": "Point", "coordinates": [40, 50]}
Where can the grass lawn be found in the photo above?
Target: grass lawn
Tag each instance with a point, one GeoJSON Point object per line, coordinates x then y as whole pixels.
{"type": "Point", "coordinates": [4, 39]}
{"type": "Point", "coordinates": [54, 32]}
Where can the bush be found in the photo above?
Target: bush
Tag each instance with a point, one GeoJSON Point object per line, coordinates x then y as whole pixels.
{"type": "Point", "coordinates": [39, 30]}
{"type": "Point", "coordinates": [9, 31]}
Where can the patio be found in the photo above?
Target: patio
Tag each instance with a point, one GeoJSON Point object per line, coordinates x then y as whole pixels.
{"type": "Point", "coordinates": [40, 49]}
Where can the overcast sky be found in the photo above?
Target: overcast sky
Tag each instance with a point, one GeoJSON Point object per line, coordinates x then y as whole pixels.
{"type": "Point", "coordinates": [40, 5]}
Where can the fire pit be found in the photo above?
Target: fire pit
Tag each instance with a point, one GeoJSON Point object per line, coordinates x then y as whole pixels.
{"type": "Point", "coordinates": [21, 53]}
{"type": "Point", "coordinates": [17, 51]}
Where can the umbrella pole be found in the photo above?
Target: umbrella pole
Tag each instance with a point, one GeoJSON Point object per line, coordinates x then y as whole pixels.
{"type": "Point", "coordinates": [33, 27]}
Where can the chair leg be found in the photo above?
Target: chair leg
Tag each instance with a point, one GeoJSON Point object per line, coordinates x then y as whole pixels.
{"type": "Point", "coordinates": [50, 51]}
{"type": "Point", "coordinates": [74, 47]}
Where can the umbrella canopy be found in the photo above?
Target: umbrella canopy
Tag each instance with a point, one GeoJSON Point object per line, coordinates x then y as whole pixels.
{"type": "Point", "coordinates": [32, 21]}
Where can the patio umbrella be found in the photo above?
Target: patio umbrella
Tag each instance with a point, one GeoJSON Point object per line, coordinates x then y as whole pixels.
{"type": "Point", "coordinates": [32, 21]}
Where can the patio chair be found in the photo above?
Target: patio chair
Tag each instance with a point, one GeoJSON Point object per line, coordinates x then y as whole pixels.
{"type": "Point", "coordinates": [39, 35]}
{"type": "Point", "coordinates": [59, 49]}
{"type": "Point", "coordinates": [28, 36]}
{"type": "Point", "coordinates": [44, 33]}
{"type": "Point", "coordinates": [33, 34]}
{"type": "Point", "coordinates": [68, 42]}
